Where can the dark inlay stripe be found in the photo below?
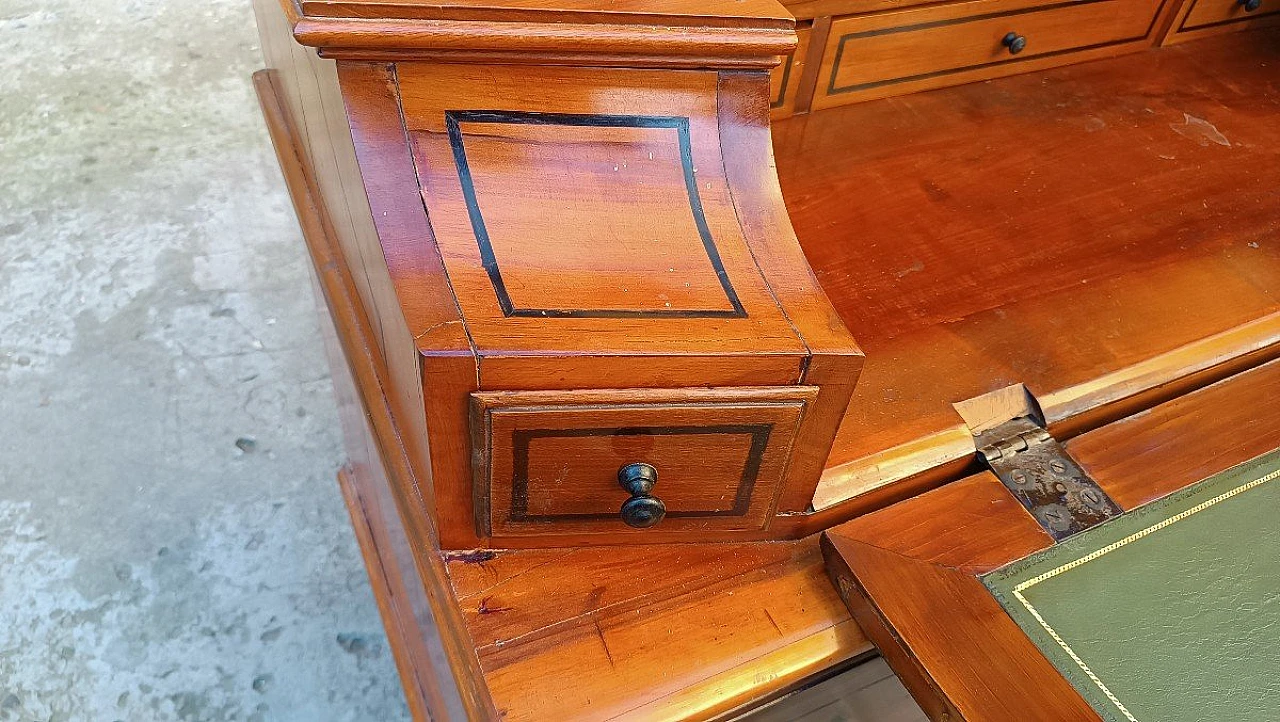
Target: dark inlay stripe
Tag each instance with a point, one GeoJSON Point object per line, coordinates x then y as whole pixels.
{"type": "Point", "coordinates": [521, 438]}
{"type": "Point", "coordinates": [453, 121]}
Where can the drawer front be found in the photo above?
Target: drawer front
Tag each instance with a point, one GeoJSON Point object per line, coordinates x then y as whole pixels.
{"type": "Point", "coordinates": [784, 81]}
{"type": "Point", "coordinates": [1210, 17]}
{"type": "Point", "coordinates": [549, 462]}
{"type": "Point", "coordinates": [892, 53]}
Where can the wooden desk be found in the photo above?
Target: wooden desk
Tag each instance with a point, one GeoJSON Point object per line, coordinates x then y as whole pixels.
{"type": "Point", "coordinates": [558, 242]}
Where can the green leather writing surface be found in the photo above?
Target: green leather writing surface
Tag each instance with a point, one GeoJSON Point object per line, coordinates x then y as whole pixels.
{"type": "Point", "coordinates": [1169, 613]}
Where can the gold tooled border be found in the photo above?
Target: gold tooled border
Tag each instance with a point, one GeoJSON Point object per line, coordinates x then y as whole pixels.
{"type": "Point", "coordinates": [1017, 590]}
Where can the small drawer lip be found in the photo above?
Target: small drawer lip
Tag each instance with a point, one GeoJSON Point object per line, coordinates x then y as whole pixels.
{"type": "Point", "coordinates": [506, 423]}
{"type": "Point", "coordinates": [760, 434]}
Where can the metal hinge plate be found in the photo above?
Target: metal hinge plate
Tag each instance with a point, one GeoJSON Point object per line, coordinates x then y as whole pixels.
{"type": "Point", "coordinates": [1049, 483]}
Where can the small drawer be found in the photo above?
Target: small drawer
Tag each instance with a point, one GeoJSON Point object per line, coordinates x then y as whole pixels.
{"type": "Point", "coordinates": [784, 81]}
{"type": "Point", "coordinates": [549, 462]}
{"type": "Point", "coordinates": [1225, 14]}
{"type": "Point", "coordinates": [893, 53]}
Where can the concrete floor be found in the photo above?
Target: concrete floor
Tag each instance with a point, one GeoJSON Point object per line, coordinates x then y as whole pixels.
{"type": "Point", "coordinates": [173, 545]}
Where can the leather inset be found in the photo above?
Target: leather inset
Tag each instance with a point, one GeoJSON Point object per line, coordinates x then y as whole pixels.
{"type": "Point", "coordinates": [1169, 613]}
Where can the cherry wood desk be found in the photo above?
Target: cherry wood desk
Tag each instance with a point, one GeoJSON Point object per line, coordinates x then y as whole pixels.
{"type": "Point", "coordinates": [594, 273]}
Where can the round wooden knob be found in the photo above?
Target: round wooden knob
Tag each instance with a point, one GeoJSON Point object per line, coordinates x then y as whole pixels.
{"type": "Point", "coordinates": [643, 509]}
{"type": "Point", "coordinates": [1017, 43]}
{"type": "Point", "coordinates": [1250, 5]}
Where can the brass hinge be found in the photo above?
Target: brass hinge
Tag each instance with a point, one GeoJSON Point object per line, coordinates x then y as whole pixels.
{"type": "Point", "coordinates": [1035, 468]}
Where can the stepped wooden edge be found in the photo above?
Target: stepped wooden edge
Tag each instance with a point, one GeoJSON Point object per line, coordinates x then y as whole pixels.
{"type": "Point", "coordinates": [421, 590]}
{"type": "Point", "coordinates": [894, 474]}
{"type": "Point", "coordinates": [724, 33]}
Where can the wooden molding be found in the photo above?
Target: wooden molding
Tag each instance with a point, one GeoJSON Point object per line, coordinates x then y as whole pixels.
{"type": "Point", "coordinates": [717, 34]}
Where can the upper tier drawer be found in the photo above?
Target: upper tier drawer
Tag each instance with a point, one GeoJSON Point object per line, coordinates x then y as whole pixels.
{"type": "Point", "coordinates": [1211, 13]}
{"type": "Point", "coordinates": [549, 462]}
{"type": "Point", "coordinates": [893, 53]}
{"type": "Point", "coordinates": [784, 81]}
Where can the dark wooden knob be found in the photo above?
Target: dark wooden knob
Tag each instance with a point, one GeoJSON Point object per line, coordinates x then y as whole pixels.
{"type": "Point", "coordinates": [643, 509]}
{"type": "Point", "coordinates": [1017, 43]}
{"type": "Point", "coordinates": [1250, 5]}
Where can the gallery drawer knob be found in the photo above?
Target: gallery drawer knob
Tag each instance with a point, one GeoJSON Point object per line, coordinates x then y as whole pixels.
{"type": "Point", "coordinates": [1017, 43]}
{"type": "Point", "coordinates": [642, 510]}
{"type": "Point", "coordinates": [1250, 5]}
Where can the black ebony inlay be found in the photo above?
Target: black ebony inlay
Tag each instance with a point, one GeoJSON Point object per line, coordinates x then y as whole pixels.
{"type": "Point", "coordinates": [521, 438]}
{"type": "Point", "coordinates": [455, 118]}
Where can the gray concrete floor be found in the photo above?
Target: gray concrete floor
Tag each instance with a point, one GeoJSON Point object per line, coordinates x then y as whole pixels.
{"type": "Point", "coordinates": [173, 545]}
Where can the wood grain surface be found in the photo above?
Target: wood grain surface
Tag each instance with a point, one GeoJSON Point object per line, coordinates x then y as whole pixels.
{"type": "Point", "coordinates": [488, 217]}
{"type": "Point", "coordinates": [547, 462]}
{"type": "Point", "coordinates": [883, 54]}
{"type": "Point", "coordinates": [722, 33]}
{"type": "Point", "coordinates": [1203, 18]}
{"type": "Point", "coordinates": [707, 628]}
{"type": "Point", "coordinates": [756, 620]}
{"type": "Point", "coordinates": [1096, 241]}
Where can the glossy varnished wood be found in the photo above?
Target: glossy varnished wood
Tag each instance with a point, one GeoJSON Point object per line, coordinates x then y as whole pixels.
{"type": "Point", "coordinates": [708, 629]}
{"type": "Point", "coordinates": [752, 33]}
{"type": "Point", "coordinates": [1094, 240]}
{"type": "Point", "coordinates": [784, 80]}
{"type": "Point", "coordinates": [724, 300]}
{"type": "Point", "coordinates": [473, 630]}
{"type": "Point", "coordinates": [1203, 18]}
{"type": "Point", "coordinates": [1230, 422]}
{"type": "Point", "coordinates": [884, 54]}
{"type": "Point", "coordinates": [654, 222]}
{"type": "Point", "coordinates": [1071, 230]}
{"type": "Point", "coordinates": [910, 572]}
{"type": "Point", "coordinates": [548, 462]}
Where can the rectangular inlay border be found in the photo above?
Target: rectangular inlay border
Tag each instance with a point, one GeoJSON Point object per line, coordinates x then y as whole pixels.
{"type": "Point", "coordinates": [453, 121]}
{"type": "Point", "coordinates": [521, 438]}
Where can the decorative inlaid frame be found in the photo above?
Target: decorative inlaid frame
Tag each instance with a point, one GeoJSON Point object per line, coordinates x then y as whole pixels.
{"type": "Point", "coordinates": [453, 122]}
{"type": "Point", "coordinates": [521, 438]}
{"type": "Point", "coordinates": [546, 461]}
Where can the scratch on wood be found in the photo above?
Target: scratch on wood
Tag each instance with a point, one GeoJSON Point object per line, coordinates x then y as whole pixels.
{"type": "Point", "coordinates": [773, 621]}
{"type": "Point", "coordinates": [433, 327]}
{"type": "Point", "coordinates": [474, 556]}
{"type": "Point", "coordinates": [508, 580]}
{"type": "Point", "coordinates": [1199, 130]}
{"type": "Point", "coordinates": [484, 607]}
{"type": "Point", "coordinates": [603, 643]}
{"type": "Point", "coordinates": [594, 598]}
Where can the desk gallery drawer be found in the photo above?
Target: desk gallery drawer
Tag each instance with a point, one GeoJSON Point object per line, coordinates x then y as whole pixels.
{"type": "Point", "coordinates": [874, 56]}
{"type": "Point", "coordinates": [784, 81]}
{"type": "Point", "coordinates": [557, 462]}
{"type": "Point", "coordinates": [1208, 17]}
